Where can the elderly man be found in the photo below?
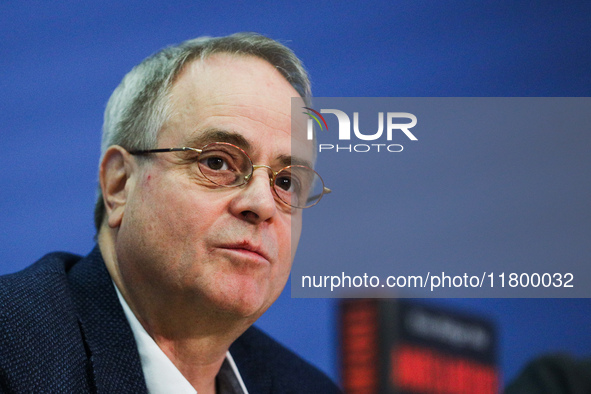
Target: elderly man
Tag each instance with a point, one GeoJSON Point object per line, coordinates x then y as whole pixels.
{"type": "Point", "coordinates": [202, 188]}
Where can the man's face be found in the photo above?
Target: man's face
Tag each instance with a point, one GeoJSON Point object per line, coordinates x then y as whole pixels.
{"type": "Point", "coordinates": [226, 249]}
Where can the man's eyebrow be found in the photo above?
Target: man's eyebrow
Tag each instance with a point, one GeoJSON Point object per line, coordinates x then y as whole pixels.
{"type": "Point", "coordinates": [218, 135]}
{"type": "Point", "coordinates": [286, 160]}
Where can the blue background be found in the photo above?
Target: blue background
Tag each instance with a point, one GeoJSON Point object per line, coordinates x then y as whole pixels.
{"type": "Point", "coordinates": [60, 61]}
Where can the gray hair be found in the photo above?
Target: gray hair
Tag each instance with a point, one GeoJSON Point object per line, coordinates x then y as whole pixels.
{"type": "Point", "coordinates": [139, 106]}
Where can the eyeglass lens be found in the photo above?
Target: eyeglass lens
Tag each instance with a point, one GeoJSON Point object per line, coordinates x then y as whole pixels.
{"type": "Point", "coordinates": [227, 165]}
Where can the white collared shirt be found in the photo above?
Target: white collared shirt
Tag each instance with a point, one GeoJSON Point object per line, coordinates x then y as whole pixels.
{"type": "Point", "coordinates": [162, 376]}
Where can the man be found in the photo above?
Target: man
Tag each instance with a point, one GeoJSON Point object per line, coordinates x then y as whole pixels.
{"type": "Point", "coordinates": [202, 184]}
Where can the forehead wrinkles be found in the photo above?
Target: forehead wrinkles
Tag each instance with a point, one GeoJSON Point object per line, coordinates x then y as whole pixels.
{"type": "Point", "coordinates": [253, 115]}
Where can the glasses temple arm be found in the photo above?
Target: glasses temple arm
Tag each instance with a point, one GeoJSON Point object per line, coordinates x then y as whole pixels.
{"type": "Point", "coordinates": [325, 190]}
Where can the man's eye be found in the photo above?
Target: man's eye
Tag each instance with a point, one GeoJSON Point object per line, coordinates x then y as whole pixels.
{"type": "Point", "coordinates": [288, 184]}
{"type": "Point", "coordinates": [283, 182]}
{"type": "Point", "coordinates": [216, 163]}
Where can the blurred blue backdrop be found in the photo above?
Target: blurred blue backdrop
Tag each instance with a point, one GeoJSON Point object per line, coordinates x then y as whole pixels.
{"type": "Point", "coordinates": [60, 61]}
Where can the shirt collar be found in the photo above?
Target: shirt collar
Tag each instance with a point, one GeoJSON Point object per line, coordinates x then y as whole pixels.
{"type": "Point", "coordinates": [162, 376]}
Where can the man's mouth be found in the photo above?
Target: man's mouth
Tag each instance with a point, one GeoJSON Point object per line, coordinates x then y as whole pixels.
{"type": "Point", "coordinates": [246, 249]}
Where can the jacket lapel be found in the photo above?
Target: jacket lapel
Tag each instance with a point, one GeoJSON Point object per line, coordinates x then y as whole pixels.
{"type": "Point", "coordinates": [114, 364]}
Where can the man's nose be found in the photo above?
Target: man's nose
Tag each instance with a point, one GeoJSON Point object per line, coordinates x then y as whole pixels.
{"type": "Point", "coordinates": [256, 201]}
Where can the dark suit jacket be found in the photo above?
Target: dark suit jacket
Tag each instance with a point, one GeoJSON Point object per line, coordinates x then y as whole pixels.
{"type": "Point", "coordinates": [62, 330]}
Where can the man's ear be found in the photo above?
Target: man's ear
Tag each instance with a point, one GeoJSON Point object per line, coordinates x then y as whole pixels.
{"type": "Point", "coordinates": [114, 176]}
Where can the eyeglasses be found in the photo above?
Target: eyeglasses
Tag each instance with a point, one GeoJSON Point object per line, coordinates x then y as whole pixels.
{"type": "Point", "coordinates": [227, 165]}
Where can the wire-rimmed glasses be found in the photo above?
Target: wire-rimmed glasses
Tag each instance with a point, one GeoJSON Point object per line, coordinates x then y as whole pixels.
{"type": "Point", "coordinates": [228, 165]}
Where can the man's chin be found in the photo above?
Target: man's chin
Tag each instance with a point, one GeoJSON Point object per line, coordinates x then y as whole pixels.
{"type": "Point", "coordinates": [247, 301]}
